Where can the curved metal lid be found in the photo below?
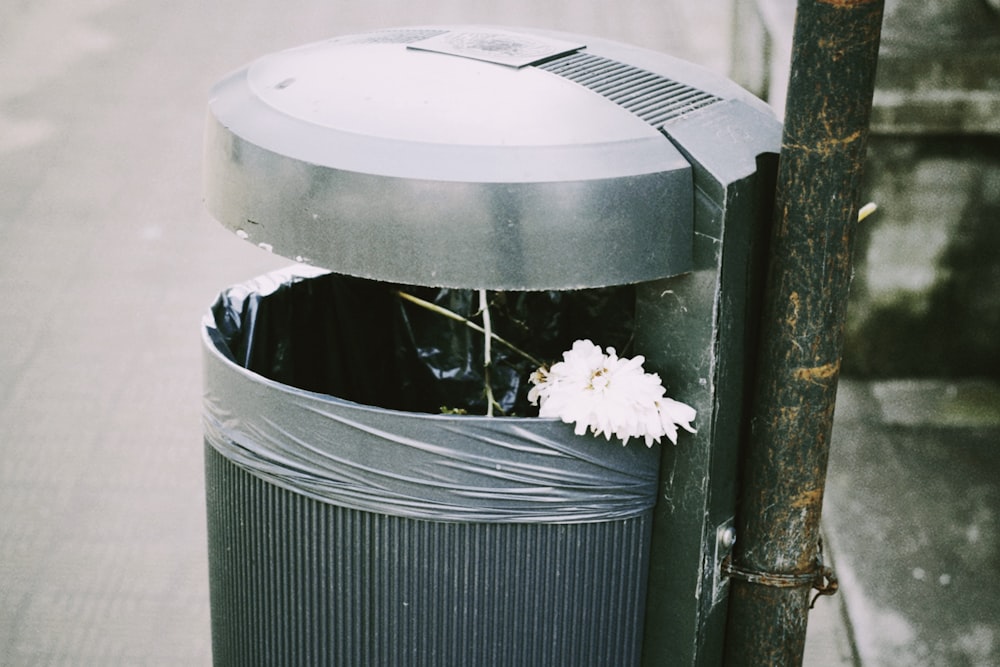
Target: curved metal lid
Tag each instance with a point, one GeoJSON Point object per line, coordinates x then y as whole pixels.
{"type": "Point", "coordinates": [447, 156]}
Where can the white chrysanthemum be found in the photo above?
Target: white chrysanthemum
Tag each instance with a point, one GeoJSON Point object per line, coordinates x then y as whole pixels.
{"type": "Point", "coordinates": [608, 395]}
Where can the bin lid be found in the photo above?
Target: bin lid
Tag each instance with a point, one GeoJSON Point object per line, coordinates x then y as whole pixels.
{"type": "Point", "coordinates": [460, 156]}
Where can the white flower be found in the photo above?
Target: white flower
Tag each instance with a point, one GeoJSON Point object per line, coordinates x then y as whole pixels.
{"type": "Point", "coordinates": [608, 395]}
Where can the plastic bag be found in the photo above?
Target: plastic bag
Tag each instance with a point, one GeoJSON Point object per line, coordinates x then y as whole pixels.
{"type": "Point", "coordinates": [359, 340]}
{"type": "Point", "coordinates": [316, 383]}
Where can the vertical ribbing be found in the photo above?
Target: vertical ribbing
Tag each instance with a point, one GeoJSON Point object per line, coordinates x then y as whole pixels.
{"type": "Point", "coordinates": [299, 582]}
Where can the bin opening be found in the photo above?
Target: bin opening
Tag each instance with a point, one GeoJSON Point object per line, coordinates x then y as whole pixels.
{"type": "Point", "coordinates": [356, 339]}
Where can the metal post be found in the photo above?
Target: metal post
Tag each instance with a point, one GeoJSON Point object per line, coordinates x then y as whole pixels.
{"type": "Point", "coordinates": [777, 560]}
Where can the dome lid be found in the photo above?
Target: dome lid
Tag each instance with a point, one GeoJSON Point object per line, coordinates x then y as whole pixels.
{"type": "Point", "coordinates": [458, 156]}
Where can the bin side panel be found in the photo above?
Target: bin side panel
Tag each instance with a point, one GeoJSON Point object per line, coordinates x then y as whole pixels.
{"type": "Point", "coordinates": [297, 581]}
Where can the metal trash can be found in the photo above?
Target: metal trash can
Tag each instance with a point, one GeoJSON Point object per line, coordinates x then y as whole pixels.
{"type": "Point", "coordinates": [342, 531]}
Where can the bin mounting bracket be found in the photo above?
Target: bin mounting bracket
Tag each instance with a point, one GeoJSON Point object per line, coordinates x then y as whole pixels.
{"type": "Point", "coordinates": [725, 538]}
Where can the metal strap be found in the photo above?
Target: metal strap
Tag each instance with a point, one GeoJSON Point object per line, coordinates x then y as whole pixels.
{"type": "Point", "coordinates": [821, 577]}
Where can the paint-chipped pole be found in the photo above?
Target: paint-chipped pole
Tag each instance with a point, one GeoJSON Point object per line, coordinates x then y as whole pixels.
{"type": "Point", "coordinates": [776, 558]}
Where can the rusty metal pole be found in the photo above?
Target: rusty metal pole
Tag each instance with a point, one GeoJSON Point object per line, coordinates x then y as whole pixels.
{"type": "Point", "coordinates": [777, 557]}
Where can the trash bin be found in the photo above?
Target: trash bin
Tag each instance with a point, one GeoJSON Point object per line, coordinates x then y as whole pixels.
{"type": "Point", "coordinates": [350, 525]}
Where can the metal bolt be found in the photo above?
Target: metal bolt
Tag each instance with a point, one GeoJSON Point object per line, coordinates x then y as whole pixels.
{"type": "Point", "coordinates": [728, 537]}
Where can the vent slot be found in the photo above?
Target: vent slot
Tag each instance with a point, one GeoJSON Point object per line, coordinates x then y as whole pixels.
{"type": "Point", "coordinates": [654, 98]}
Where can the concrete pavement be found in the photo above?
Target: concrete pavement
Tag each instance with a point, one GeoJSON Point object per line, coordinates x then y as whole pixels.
{"type": "Point", "coordinates": [912, 518]}
{"type": "Point", "coordinates": [108, 261]}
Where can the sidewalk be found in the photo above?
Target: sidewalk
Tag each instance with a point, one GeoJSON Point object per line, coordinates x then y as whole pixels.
{"type": "Point", "coordinates": [912, 518]}
{"type": "Point", "coordinates": [109, 261]}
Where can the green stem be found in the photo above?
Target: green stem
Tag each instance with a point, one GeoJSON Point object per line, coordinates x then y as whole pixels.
{"type": "Point", "coordinates": [484, 308]}
{"type": "Point", "coordinates": [472, 325]}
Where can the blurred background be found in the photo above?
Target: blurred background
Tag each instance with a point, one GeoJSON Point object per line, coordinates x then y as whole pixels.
{"type": "Point", "coordinates": [108, 262]}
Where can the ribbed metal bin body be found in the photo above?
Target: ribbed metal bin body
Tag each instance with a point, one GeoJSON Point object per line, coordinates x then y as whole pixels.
{"type": "Point", "coordinates": [295, 581]}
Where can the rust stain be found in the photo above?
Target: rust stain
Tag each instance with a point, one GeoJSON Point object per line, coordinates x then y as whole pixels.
{"type": "Point", "coordinates": [807, 499]}
{"type": "Point", "coordinates": [817, 373]}
{"type": "Point", "coordinates": [846, 4]}
{"type": "Point", "coordinates": [825, 146]}
{"type": "Point", "coordinates": [793, 318]}
{"type": "Point", "coordinates": [843, 141]}
{"type": "Point", "coordinates": [788, 413]}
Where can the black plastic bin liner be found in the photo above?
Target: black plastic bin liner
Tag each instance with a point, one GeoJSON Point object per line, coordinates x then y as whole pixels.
{"type": "Point", "coordinates": [433, 466]}
{"type": "Point", "coordinates": [356, 339]}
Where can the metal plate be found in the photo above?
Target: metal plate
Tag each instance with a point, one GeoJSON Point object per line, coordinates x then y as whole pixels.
{"type": "Point", "coordinates": [497, 46]}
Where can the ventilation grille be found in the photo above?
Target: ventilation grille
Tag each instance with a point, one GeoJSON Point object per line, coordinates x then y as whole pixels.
{"type": "Point", "coordinates": [298, 582]}
{"type": "Point", "coordinates": [654, 98]}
